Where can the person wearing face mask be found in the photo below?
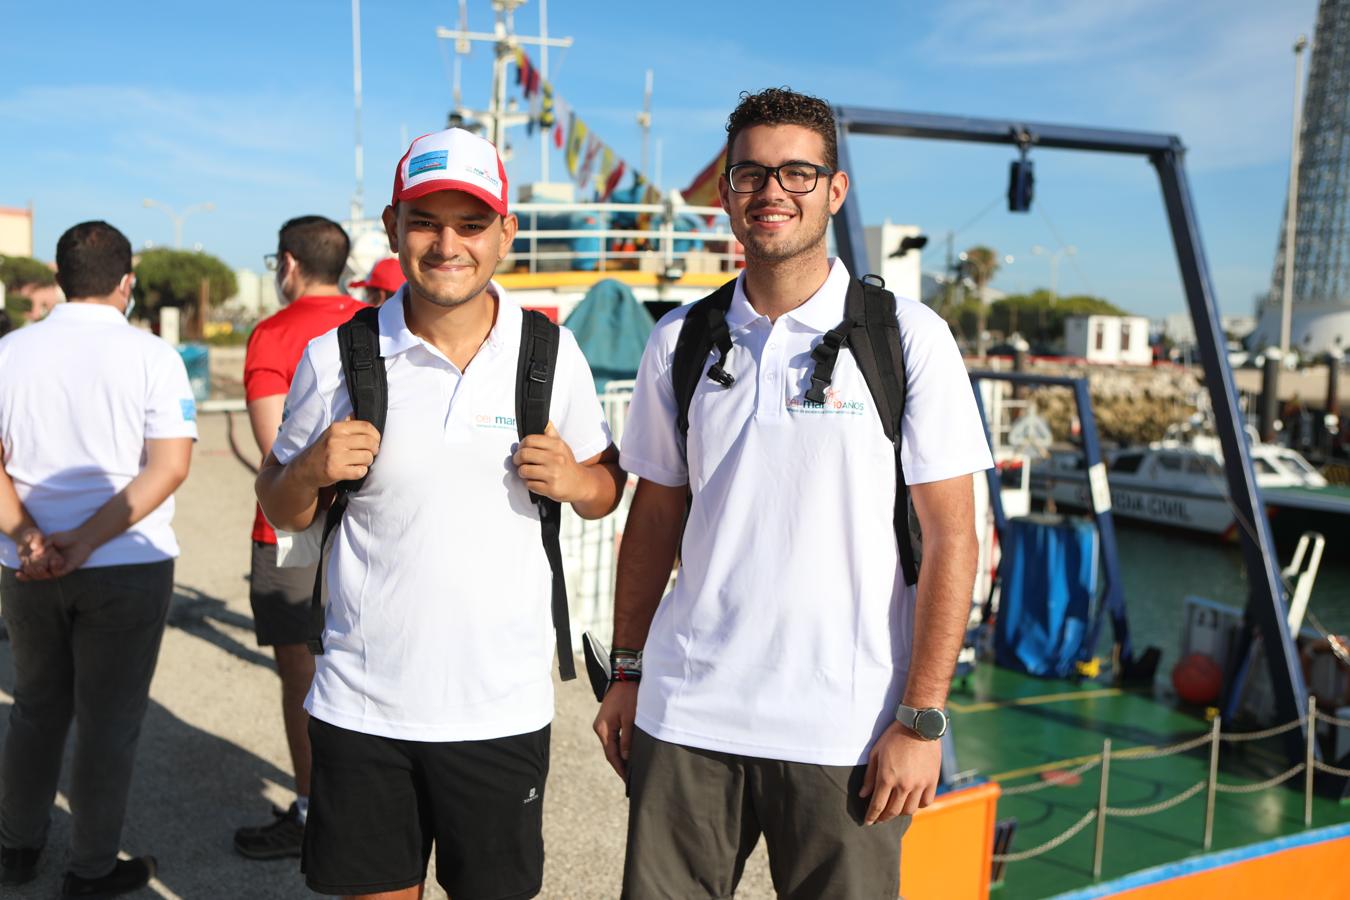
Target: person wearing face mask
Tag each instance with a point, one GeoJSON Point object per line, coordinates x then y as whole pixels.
{"type": "Point", "coordinates": [97, 423]}
{"type": "Point", "coordinates": [311, 254]}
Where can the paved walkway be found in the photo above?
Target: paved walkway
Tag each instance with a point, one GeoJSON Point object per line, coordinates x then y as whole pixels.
{"type": "Point", "coordinates": [213, 756]}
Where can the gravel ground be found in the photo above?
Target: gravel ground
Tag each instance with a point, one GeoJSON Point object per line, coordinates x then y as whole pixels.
{"type": "Point", "coordinates": [213, 755]}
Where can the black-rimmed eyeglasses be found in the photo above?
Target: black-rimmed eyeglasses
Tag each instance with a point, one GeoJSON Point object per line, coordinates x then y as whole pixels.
{"type": "Point", "coordinates": [271, 260]}
{"type": "Point", "coordinates": [795, 178]}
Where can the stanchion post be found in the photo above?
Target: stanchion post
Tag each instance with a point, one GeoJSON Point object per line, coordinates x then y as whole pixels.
{"type": "Point", "coordinates": [1101, 810]}
{"type": "Point", "coordinates": [1309, 762]}
{"type": "Point", "coordinates": [1213, 782]}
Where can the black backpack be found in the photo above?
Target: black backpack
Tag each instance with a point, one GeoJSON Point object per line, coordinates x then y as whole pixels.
{"type": "Point", "coordinates": [364, 371]}
{"type": "Point", "coordinates": [869, 330]}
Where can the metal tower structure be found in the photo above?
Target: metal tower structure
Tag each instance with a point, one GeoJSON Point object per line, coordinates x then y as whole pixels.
{"type": "Point", "coordinates": [1320, 286]}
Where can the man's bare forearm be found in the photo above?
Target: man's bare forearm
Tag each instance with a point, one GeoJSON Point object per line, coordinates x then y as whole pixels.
{"type": "Point", "coordinates": [166, 467]}
{"type": "Point", "coordinates": [14, 517]}
{"type": "Point", "coordinates": [650, 539]}
{"type": "Point", "coordinates": [604, 481]}
{"type": "Point", "coordinates": [288, 499]}
{"type": "Point", "coordinates": [941, 612]}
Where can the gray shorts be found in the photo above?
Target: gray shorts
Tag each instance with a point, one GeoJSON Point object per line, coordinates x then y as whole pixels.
{"type": "Point", "coordinates": [695, 815]}
{"type": "Point", "coordinates": [279, 597]}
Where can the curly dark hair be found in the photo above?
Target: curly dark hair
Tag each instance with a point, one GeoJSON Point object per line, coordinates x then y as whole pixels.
{"type": "Point", "coordinates": [784, 106]}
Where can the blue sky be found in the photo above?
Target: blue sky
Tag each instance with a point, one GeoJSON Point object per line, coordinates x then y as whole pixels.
{"type": "Point", "coordinates": [249, 105]}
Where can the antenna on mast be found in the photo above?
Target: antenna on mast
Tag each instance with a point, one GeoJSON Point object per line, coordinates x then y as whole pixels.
{"type": "Point", "coordinates": [499, 115]}
{"type": "Point", "coordinates": [644, 120]}
{"type": "Point", "coordinates": [462, 48]}
{"type": "Point", "coordinates": [358, 195]}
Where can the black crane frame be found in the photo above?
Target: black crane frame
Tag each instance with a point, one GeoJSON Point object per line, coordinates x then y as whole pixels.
{"type": "Point", "coordinates": [1266, 602]}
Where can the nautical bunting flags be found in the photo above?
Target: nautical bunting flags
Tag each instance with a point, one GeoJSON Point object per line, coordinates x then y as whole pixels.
{"type": "Point", "coordinates": [584, 152]}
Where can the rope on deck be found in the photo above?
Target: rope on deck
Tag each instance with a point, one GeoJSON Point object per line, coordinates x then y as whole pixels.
{"type": "Point", "coordinates": [1237, 736]}
{"type": "Point", "coordinates": [1133, 754]}
{"type": "Point", "coordinates": [1327, 767]}
{"type": "Point", "coordinates": [1053, 780]}
{"type": "Point", "coordinates": [1260, 785]}
{"type": "Point", "coordinates": [1161, 806]}
{"type": "Point", "coordinates": [1339, 723]}
{"type": "Point", "coordinates": [1050, 844]}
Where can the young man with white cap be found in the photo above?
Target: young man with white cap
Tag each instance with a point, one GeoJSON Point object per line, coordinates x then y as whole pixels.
{"type": "Point", "coordinates": [431, 703]}
{"type": "Point", "coordinates": [792, 683]}
{"type": "Point", "coordinates": [384, 280]}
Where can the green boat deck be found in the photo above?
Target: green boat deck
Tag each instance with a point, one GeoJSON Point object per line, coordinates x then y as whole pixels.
{"type": "Point", "coordinates": [1012, 729]}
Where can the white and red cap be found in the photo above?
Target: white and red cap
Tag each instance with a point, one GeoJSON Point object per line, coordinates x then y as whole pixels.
{"type": "Point", "coordinates": [452, 160]}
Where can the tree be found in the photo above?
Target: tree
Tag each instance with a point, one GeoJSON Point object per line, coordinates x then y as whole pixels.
{"type": "Point", "coordinates": [19, 272]}
{"type": "Point", "coordinates": [1040, 316]}
{"type": "Point", "coordinates": [167, 277]}
{"type": "Point", "coordinates": [980, 264]}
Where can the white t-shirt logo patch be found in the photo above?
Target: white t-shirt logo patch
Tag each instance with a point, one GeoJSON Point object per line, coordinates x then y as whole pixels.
{"type": "Point", "coordinates": [835, 405]}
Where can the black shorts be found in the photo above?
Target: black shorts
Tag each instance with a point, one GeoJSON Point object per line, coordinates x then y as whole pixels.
{"type": "Point", "coordinates": [376, 806]}
{"type": "Point", "coordinates": [279, 597]}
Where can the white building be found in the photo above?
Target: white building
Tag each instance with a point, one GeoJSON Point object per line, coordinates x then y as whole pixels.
{"type": "Point", "coordinates": [1121, 340]}
{"type": "Point", "coordinates": [257, 293]}
{"type": "Point", "coordinates": [902, 273]}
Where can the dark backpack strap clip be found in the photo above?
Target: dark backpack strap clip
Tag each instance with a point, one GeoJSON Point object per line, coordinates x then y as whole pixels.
{"type": "Point", "coordinates": [826, 354]}
{"type": "Point", "coordinates": [720, 337]}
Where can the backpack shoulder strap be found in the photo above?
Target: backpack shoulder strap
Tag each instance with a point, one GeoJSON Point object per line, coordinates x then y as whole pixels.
{"type": "Point", "coordinates": [704, 327]}
{"type": "Point", "coordinates": [880, 354]}
{"type": "Point", "coordinates": [870, 330]}
{"type": "Point", "coordinates": [368, 388]}
{"type": "Point", "coordinates": [538, 360]}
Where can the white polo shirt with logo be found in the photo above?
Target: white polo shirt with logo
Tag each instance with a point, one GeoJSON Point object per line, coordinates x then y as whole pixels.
{"type": "Point", "coordinates": [80, 393]}
{"type": "Point", "coordinates": [439, 624]}
{"type": "Point", "coordinates": [788, 632]}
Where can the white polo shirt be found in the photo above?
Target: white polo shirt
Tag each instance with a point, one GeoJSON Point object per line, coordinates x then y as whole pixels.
{"type": "Point", "coordinates": [80, 392]}
{"type": "Point", "coordinates": [788, 632]}
{"type": "Point", "coordinates": [439, 622]}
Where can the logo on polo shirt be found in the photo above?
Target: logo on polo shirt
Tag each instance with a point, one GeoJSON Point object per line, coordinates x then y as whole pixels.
{"type": "Point", "coordinates": [532, 796]}
{"type": "Point", "coordinates": [505, 423]}
{"type": "Point", "coordinates": [834, 405]}
{"type": "Point", "coordinates": [189, 409]}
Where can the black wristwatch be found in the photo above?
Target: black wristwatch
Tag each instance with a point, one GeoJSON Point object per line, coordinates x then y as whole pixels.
{"type": "Point", "coordinates": [929, 722]}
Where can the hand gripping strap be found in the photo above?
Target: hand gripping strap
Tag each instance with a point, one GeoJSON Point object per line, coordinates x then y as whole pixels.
{"type": "Point", "coordinates": [534, 393]}
{"type": "Point", "coordinates": [368, 388]}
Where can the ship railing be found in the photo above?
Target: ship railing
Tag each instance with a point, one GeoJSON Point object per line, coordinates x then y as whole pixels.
{"type": "Point", "coordinates": [668, 239]}
{"type": "Point", "coordinates": [1211, 787]}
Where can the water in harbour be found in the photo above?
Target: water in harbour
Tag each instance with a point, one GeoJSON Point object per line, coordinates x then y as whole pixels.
{"type": "Point", "coordinates": [1163, 567]}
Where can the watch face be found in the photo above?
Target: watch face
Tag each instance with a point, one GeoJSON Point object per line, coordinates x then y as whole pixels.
{"type": "Point", "coordinates": [931, 724]}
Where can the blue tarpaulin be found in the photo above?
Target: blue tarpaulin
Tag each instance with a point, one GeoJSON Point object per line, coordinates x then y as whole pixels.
{"type": "Point", "coordinates": [612, 328]}
{"type": "Point", "coordinates": [1049, 584]}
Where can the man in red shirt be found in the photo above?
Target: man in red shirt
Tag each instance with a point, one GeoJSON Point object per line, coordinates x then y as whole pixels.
{"type": "Point", "coordinates": [311, 254]}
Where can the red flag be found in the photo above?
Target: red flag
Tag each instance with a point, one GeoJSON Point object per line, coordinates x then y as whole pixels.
{"type": "Point", "coordinates": [613, 181]}
{"type": "Point", "coordinates": [702, 191]}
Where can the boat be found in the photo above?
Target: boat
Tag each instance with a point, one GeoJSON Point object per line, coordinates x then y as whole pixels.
{"type": "Point", "coordinates": [1179, 482]}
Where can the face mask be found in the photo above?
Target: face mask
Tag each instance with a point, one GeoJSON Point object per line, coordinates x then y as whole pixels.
{"type": "Point", "coordinates": [131, 299]}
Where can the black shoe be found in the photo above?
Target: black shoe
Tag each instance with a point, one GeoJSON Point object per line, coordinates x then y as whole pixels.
{"type": "Point", "coordinates": [281, 838]}
{"type": "Point", "coordinates": [127, 875]}
{"type": "Point", "coordinates": [18, 865]}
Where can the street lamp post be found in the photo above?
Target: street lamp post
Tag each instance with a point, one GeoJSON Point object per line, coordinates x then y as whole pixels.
{"type": "Point", "coordinates": [1055, 256]}
{"type": "Point", "coordinates": [1291, 205]}
{"type": "Point", "coordinates": [176, 217]}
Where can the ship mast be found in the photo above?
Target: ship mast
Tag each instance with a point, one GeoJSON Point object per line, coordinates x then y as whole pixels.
{"type": "Point", "coordinates": [499, 116]}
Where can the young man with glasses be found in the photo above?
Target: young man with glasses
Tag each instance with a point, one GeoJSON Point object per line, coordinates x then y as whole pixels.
{"type": "Point", "coordinates": [792, 683]}
{"type": "Point", "coordinates": [311, 255]}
